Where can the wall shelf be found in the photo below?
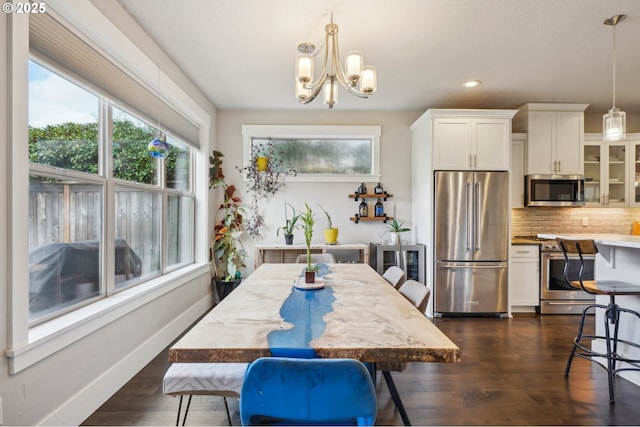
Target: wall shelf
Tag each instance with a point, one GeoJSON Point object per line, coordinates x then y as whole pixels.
{"type": "Point", "coordinates": [358, 218]}
{"type": "Point", "coordinates": [382, 196]}
{"type": "Point", "coordinates": [370, 210]}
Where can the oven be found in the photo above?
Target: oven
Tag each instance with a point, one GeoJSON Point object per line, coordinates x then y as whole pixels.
{"type": "Point", "coordinates": [556, 295]}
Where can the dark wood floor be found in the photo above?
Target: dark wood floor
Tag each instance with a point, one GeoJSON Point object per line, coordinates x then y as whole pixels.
{"type": "Point", "coordinates": [511, 374]}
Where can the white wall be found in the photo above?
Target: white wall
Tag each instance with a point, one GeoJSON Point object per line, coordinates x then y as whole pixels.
{"type": "Point", "coordinates": [68, 385]}
{"type": "Point", "coordinates": [395, 154]}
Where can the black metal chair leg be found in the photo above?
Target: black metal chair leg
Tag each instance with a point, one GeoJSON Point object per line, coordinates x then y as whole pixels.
{"type": "Point", "coordinates": [186, 411]}
{"type": "Point", "coordinates": [226, 406]}
{"type": "Point", "coordinates": [179, 410]}
{"type": "Point", "coordinates": [611, 352]}
{"type": "Point", "coordinates": [396, 397]}
{"type": "Point", "coordinates": [576, 340]}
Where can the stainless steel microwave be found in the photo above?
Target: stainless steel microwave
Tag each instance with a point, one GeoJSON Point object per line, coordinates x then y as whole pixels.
{"type": "Point", "coordinates": [554, 190]}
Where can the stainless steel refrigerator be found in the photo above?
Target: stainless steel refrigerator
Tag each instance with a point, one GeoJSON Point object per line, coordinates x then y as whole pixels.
{"type": "Point", "coordinates": [471, 212]}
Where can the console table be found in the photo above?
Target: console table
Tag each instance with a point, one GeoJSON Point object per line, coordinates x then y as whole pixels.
{"type": "Point", "coordinates": [281, 253]}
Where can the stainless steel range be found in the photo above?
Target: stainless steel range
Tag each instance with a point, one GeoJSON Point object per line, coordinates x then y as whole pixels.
{"type": "Point", "coordinates": [556, 295]}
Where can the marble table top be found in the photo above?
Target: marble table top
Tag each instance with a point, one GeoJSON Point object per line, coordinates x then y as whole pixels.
{"type": "Point", "coordinates": [356, 315]}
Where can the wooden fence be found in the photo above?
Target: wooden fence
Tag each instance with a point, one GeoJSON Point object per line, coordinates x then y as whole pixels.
{"type": "Point", "coordinates": [62, 213]}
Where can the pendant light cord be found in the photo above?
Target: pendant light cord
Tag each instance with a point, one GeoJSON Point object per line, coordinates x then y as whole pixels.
{"type": "Point", "coordinates": [614, 67]}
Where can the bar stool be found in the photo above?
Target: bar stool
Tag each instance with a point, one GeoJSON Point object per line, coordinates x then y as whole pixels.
{"type": "Point", "coordinates": [612, 312]}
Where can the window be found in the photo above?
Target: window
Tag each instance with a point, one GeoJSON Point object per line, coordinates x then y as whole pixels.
{"type": "Point", "coordinates": [320, 153]}
{"type": "Point", "coordinates": [152, 202]}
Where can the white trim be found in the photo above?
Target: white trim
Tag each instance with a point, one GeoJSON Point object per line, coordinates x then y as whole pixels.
{"type": "Point", "coordinates": [18, 176]}
{"type": "Point", "coordinates": [81, 405]}
{"type": "Point", "coordinates": [52, 336]}
{"type": "Point", "coordinates": [302, 131]}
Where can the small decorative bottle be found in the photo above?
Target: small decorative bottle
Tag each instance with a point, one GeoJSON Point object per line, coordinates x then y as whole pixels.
{"type": "Point", "coordinates": [362, 189]}
{"type": "Point", "coordinates": [363, 210]}
{"type": "Point", "coordinates": [379, 211]}
{"type": "Point", "coordinates": [379, 189]}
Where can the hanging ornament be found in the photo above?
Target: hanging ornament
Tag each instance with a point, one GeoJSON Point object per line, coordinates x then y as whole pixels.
{"type": "Point", "coordinates": [158, 148]}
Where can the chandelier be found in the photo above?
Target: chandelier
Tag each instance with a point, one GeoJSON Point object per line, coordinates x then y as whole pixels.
{"type": "Point", "coordinates": [358, 79]}
{"type": "Point", "coordinates": [614, 126]}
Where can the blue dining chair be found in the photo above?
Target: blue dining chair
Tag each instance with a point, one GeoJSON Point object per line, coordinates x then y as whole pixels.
{"type": "Point", "coordinates": [290, 391]}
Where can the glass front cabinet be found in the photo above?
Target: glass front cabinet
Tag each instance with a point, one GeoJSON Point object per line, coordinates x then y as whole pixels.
{"type": "Point", "coordinates": [605, 172]}
{"type": "Point", "coordinates": [634, 179]}
{"type": "Point", "coordinates": [410, 258]}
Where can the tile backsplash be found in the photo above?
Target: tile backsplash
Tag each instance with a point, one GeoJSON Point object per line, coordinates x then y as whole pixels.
{"type": "Point", "coordinates": [528, 221]}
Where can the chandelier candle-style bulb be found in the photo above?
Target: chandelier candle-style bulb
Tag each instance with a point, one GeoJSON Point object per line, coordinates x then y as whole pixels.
{"type": "Point", "coordinates": [368, 83]}
{"type": "Point", "coordinates": [354, 66]}
{"type": "Point", "coordinates": [330, 93]}
{"type": "Point", "coordinates": [304, 68]}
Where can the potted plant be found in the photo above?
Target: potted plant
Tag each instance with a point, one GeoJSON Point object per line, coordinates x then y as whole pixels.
{"type": "Point", "coordinates": [330, 233]}
{"type": "Point", "coordinates": [264, 176]}
{"type": "Point", "coordinates": [290, 224]}
{"type": "Point", "coordinates": [227, 253]}
{"type": "Point", "coordinates": [307, 226]}
{"type": "Point", "coordinates": [395, 228]}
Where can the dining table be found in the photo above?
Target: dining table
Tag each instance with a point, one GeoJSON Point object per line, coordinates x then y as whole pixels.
{"type": "Point", "coordinates": [352, 312]}
{"type": "Point", "coordinates": [356, 315]}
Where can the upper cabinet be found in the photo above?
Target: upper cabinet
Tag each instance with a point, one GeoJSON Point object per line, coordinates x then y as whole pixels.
{"type": "Point", "coordinates": [471, 139]}
{"type": "Point", "coordinates": [605, 172]}
{"type": "Point", "coordinates": [634, 170]}
{"type": "Point", "coordinates": [555, 135]}
{"type": "Point", "coordinates": [611, 171]}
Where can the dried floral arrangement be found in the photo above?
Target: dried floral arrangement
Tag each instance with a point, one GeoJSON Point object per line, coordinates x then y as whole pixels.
{"type": "Point", "coordinates": [263, 183]}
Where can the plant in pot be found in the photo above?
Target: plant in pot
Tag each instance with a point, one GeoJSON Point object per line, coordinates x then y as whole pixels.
{"type": "Point", "coordinates": [330, 233]}
{"type": "Point", "coordinates": [290, 224]}
{"type": "Point", "coordinates": [307, 226]}
{"type": "Point", "coordinates": [227, 253]}
{"type": "Point", "coordinates": [395, 228]}
{"type": "Point", "coordinates": [264, 176]}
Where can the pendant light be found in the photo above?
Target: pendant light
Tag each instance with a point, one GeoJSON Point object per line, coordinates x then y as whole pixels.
{"type": "Point", "coordinates": [614, 123]}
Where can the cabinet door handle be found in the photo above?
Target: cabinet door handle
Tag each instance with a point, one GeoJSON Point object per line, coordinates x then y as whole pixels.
{"type": "Point", "coordinates": [554, 166]}
{"type": "Point", "coordinates": [559, 167]}
{"type": "Point", "coordinates": [475, 160]}
{"type": "Point", "coordinates": [470, 160]}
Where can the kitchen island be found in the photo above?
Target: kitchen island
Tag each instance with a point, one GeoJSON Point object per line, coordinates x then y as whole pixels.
{"type": "Point", "coordinates": [618, 259]}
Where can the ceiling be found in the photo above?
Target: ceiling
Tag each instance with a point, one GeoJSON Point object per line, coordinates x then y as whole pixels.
{"type": "Point", "coordinates": [241, 53]}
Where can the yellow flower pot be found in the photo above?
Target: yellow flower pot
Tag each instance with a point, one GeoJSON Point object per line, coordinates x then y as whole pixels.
{"type": "Point", "coordinates": [331, 236]}
{"type": "Point", "coordinates": [262, 163]}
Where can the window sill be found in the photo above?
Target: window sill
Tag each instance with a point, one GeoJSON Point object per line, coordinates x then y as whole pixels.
{"type": "Point", "coordinates": [52, 336]}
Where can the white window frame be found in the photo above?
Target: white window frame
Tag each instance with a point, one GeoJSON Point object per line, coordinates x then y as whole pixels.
{"type": "Point", "coordinates": [27, 346]}
{"type": "Point", "coordinates": [249, 132]}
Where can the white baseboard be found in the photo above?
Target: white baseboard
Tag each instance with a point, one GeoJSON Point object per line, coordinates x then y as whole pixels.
{"type": "Point", "coordinates": [80, 406]}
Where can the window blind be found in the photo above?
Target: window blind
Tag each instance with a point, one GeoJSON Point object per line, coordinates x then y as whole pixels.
{"type": "Point", "coordinates": [54, 43]}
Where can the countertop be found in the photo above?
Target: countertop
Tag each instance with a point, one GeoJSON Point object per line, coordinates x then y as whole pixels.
{"type": "Point", "coordinates": [622, 240]}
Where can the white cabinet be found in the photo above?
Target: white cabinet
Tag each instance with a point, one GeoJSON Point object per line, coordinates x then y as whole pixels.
{"type": "Point", "coordinates": [465, 143]}
{"type": "Point", "coordinates": [524, 276]}
{"type": "Point", "coordinates": [634, 170]}
{"type": "Point", "coordinates": [606, 173]}
{"type": "Point", "coordinates": [555, 135]}
{"type": "Point", "coordinates": [518, 164]}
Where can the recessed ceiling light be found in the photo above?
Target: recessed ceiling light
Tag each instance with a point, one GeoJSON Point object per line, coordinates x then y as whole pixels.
{"type": "Point", "coordinates": [471, 83]}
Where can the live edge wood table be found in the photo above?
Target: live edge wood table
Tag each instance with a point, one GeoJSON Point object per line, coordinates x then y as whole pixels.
{"type": "Point", "coordinates": [356, 315]}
